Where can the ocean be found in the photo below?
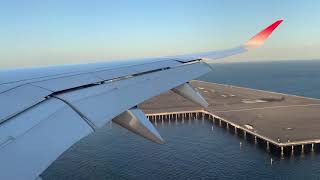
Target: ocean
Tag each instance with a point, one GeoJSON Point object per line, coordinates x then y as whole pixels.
{"type": "Point", "coordinates": [198, 149]}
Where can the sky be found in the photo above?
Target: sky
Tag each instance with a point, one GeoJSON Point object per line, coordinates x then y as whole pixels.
{"type": "Point", "coordinates": [37, 32]}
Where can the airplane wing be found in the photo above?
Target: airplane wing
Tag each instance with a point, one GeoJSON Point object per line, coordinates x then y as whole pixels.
{"type": "Point", "coordinates": [44, 111]}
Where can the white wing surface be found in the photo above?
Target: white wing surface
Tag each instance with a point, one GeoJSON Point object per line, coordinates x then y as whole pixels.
{"type": "Point", "coordinates": [44, 111]}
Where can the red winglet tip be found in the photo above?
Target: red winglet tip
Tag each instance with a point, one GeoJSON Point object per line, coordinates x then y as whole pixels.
{"type": "Point", "coordinates": [260, 38]}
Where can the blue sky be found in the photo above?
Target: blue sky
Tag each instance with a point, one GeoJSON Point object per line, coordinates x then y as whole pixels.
{"type": "Point", "coordinates": [63, 32]}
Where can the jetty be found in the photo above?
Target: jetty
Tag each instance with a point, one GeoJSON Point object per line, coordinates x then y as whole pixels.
{"type": "Point", "coordinates": [287, 123]}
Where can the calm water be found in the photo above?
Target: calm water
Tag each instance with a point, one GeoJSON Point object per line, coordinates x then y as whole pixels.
{"type": "Point", "coordinates": [197, 149]}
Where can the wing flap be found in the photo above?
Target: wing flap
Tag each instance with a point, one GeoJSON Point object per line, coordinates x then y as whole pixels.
{"type": "Point", "coordinates": [17, 96]}
{"type": "Point", "coordinates": [19, 99]}
{"type": "Point", "coordinates": [52, 127]}
{"type": "Point", "coordinates": [101, 103]}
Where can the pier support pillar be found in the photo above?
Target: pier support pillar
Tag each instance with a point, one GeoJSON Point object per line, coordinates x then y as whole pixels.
{"type": "Point", "coordinates": [235, 130]}
{"type": "Point", "coordinates": [292, 150]}
{"type": "Point", "coordinates": [220, 122]}
{"type": "Point", "coordinates": [227, 126]}
{"type": "Point", "coordinates": [244, 134]}
{"type": "Point", "coordinates": [182, 118]}
{"type": "Point", "coordinates": [268, 146]}
{"type": "Point", "coordinates": [282, 151]}
{"type": "Point", "coordinates": [312, 147]}
{"type": "Point", "coordinates": [255, 139]}
{"type": "Point", "coordinates": [302, 148]}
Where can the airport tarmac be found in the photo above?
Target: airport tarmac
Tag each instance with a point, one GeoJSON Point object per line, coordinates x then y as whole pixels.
{"type": "Point", "coordinates": [280, 119]}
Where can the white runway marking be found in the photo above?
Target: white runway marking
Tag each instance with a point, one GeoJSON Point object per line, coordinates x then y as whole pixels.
{"type": "Point", "coordinates": [271, 107]}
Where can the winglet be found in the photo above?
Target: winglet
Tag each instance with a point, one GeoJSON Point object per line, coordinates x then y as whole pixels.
{"type": "Point", "coordinates": [252, 43]}
{"type": "Point", "coordinates": [260, 38]}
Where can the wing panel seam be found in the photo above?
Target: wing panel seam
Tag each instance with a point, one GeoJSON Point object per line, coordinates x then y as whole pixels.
{"type": "Point", "coordinates": [21, 111]}
{"type": "Point", "coordinates": [84, 117]}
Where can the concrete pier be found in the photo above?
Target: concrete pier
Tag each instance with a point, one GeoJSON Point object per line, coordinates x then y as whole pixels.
{"type": "Point", "coordinates": [278, 119]}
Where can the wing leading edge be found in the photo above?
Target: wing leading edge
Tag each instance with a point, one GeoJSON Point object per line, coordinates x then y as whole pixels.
{"type": "Point", "coordinates": [44, 111]}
